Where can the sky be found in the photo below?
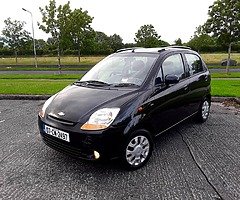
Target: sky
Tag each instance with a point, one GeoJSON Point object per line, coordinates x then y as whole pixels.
{"type": "Point", "coordinates": [171, 19]}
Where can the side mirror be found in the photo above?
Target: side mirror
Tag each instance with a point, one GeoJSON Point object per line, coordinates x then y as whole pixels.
{"type": "Point", "coordinates": [171, 79]}
{"type": "Point", "coordinates": [158, 81]}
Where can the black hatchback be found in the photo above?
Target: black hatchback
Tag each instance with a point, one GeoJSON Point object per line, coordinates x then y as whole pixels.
{"type": "Point", "coordinates": [117, 108]}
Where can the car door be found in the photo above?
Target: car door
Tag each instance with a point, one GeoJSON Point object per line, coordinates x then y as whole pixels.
{"type": "Point", "coordinates": [199, 80]}
{"type": "Point", "coordinates": [167, 102]}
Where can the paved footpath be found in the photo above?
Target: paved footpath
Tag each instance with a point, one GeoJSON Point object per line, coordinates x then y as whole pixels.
{"type": "Point", "coordinates": [192, 161]}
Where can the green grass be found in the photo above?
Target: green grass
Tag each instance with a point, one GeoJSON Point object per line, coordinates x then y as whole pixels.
{"type": "Point", "coordinates": [226, 88]}
{"type": "Point", "coordinates": [32, 86]}
{"type": "Point", "coordinates": [217, 67]}
{"type": "Point", "coordinates": [224, 75]}
{"type": "Point", "coordinates": [66, 60]}
{"type": "Point", "coordinates": [78, 76]}
{"type": "Point", "coordinates": [41, 76]}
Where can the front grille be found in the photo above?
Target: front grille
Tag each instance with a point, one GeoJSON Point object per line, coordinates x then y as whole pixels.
{"type": "Point", "coordinates": [65, 148]}
{"type": "Point", "coordinates": [62, 121]}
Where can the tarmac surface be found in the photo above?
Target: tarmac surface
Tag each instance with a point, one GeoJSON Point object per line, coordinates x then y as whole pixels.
{"type": "Point", "coordinates": [192, 161]}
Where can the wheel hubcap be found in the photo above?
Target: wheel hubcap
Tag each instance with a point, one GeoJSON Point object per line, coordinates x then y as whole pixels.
{"type": "Point", "coordinates": [137, 150]}
{"type": "Point", "coordinates": [205, 109]}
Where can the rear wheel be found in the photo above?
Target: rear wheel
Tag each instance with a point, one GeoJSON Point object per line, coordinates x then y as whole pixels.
{"type": "Point", "coordinates": [203, 111]}
{"type": "Point", "coordinates": [137, 150]}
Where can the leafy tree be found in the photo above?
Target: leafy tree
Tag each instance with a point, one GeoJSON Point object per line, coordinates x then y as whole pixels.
{"type": "Point", "coordinates": [116, 42]}
{"type": "Point", "coordinates": [54, 20]}
{"type": "Point", "coordinates": [201, 42]}
{"type": "Point", "coordinates": [129, 45]}
{"type": "Point", "coordinates": [147, 36]}
{"type": "Point", "coordinates": [41, 44]}
{"type": "Point", "coordinates": [51, 44]}
{"type": "Point", "coordinates": [1, 42]}
{"type": "Point", "coordinates": [14, 35]}
{"type": "Point", "coordinates": [88, 44]}
{"type": "Point", "coordinates": [102, 43]}
{"type": "Point", "coordinates": [79, 27]}
{"type": "Point", "coordinates": [224, 23]}
{"type": "Point", "coordinates": [178, 42]}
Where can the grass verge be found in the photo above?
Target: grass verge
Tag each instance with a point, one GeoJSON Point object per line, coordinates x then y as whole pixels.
{"type": "Point", "coordinates": [32, 86]}
{"type": "Point", "coordinates": [225, 88]}
{"type": "Point", "coordinates": [77, 76]}
{"type": "Point", "coordinates": [224, 75]}
{"type": "Point", "coordinates": [41, 76]}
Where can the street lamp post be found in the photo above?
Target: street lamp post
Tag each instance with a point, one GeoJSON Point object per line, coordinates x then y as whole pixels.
{"type": "Point", "coordinates": [34, 45]}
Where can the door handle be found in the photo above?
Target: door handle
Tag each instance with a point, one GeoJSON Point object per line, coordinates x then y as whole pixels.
{"type": "Point", "coordinates": [185, 87]}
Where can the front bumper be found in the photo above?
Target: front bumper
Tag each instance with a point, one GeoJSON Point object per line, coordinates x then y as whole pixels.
{"type": "Point", "coordinates": [108, 143]}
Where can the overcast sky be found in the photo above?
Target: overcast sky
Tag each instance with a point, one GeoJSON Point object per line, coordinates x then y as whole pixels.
{"type": "Point", "coordinates": [171, 18]}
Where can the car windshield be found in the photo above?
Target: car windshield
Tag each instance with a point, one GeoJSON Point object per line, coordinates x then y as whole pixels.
{"type": "Point", "coordinates": [122, 70]}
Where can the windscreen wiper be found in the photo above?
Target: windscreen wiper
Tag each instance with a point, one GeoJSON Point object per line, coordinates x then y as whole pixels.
{"type": "Point", "coordinates": [126, 85]}
{"type": "Point", "coordinates": [91, 82]}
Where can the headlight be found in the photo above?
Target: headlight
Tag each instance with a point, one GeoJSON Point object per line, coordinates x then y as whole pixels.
{"type": "Point", "coordinates": [101, 119]}
{"type": "Point", "coordinates": [45, 105]}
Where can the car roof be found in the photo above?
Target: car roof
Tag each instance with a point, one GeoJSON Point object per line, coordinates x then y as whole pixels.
{"type": "Point", "coordinates": [155, 50]}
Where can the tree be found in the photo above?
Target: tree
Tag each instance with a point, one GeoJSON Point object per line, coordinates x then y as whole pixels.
{"type": "Point", "coordinates": [116, 42]}
{"type": "Point", "coordinates": [14, 35]}
{"type": "Point", "coordinates": [51, 44]}
{"type": "Point", "coordinates": [79, 27]}
{"type": "Point", "coordinates": [88, 45]}
{"type": "Point", "coordinates": [147, 36]}
{"type": "Point", "coordinates": [201, 42]}
{"type": "Point", "coordinates": [41, 44]}
{"type": "Point", "coordinates": [1, 42]}
{"type": "Point", "coordinates": [224, 23]}
{"type": "Point", "coordinates": [178, 42]}
{"type": "Point", "coordinates": [54, 21]}
{"type": "Point", "coordinates": [102, 43]}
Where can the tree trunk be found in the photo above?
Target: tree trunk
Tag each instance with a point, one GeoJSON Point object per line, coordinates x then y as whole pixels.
{"type": "Point", "coordinates": [79, 54]}
{"type": "Point", "coordinates": [229, 57]}
{"type": "Point", "coordinates": [16, 56]}
{"type": "Point", "coordinates": [59, 59]}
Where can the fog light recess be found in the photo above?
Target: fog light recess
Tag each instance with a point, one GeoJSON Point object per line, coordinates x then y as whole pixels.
{"type": "Point", "coordinates": [96, 155]}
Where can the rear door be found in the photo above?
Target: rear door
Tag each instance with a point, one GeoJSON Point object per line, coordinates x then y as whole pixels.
{"type": "Point", "coordinates": [168, 102]}
{"type": "Point", "coordinates": [199, 80]}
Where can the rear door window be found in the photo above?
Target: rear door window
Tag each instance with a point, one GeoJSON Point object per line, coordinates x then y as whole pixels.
{"type": "Point", "coordinates": [194, 64]}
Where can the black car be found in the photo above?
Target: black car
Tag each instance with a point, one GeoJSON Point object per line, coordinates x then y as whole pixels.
{"type": "Point", "coordinates": [117, 108]}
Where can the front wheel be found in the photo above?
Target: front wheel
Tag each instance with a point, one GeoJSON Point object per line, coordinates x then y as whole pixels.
{"type": "Point", "coordinates": [137, 150]}
{"type": "Point", "coordinates": [203, 111]}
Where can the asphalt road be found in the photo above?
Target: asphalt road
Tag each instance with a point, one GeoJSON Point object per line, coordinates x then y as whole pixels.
{"type": "Point", "coordinates": [193, 161]}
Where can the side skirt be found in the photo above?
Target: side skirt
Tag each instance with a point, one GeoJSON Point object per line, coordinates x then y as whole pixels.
{"type": "Point", "coordinates": [175, 124]}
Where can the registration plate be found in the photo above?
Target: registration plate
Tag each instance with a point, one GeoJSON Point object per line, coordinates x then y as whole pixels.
{"type": "Point", "coordinates": [57, 133]}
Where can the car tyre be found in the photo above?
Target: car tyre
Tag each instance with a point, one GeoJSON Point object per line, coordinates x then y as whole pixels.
{"type": "Point", "coordinates": [203, 111]}
{"type": "Point", "coordinates": [137, 150]}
